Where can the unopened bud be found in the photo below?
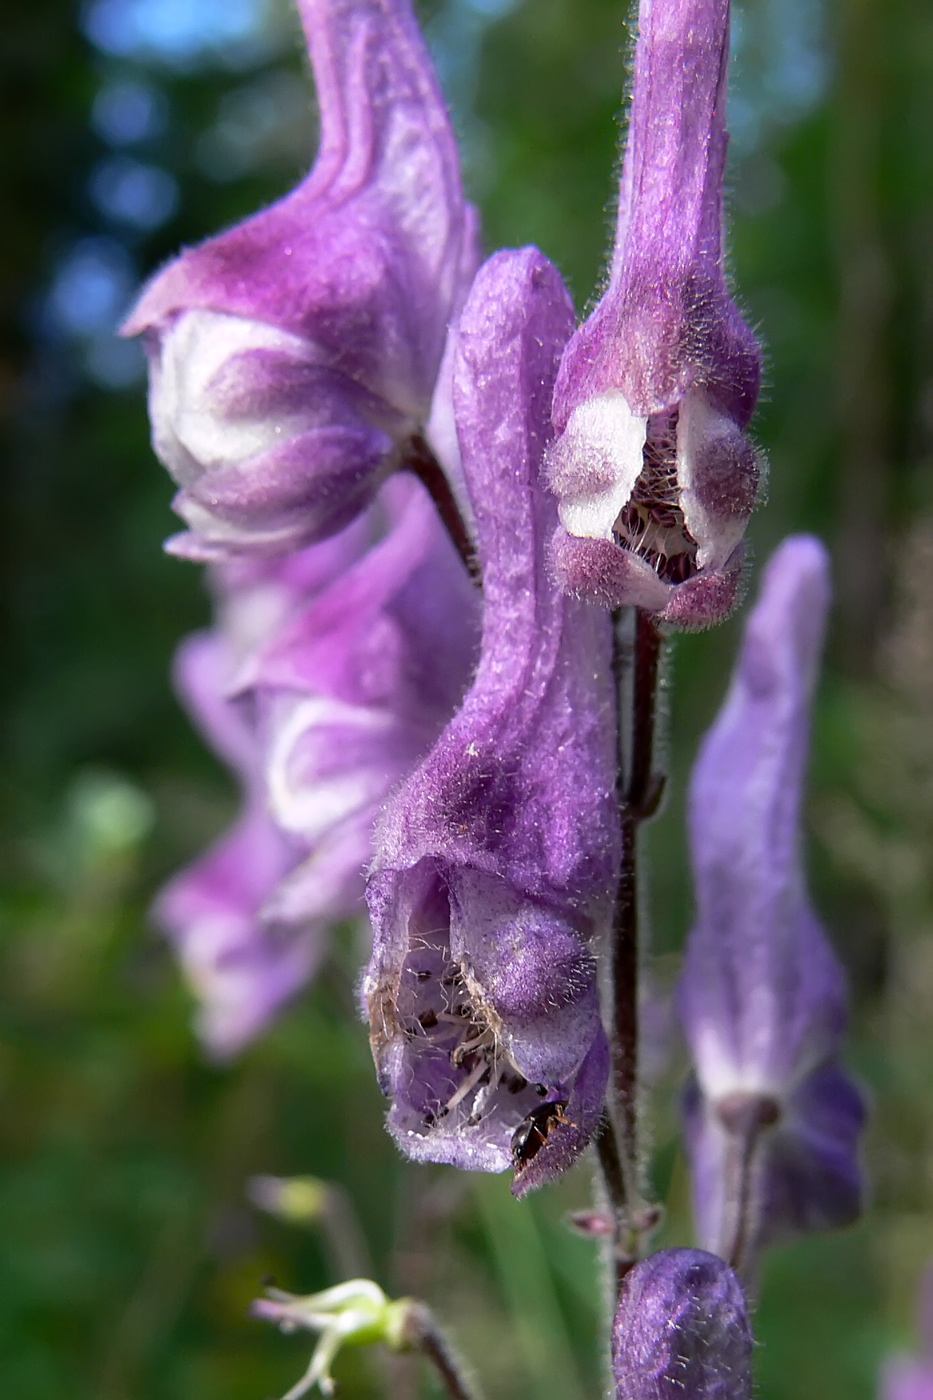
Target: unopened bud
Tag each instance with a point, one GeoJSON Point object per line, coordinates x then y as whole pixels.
{"type": "Point", "coordinates": [681, 1331]}
{"type": "Point", "coordinates": [356, 1313]}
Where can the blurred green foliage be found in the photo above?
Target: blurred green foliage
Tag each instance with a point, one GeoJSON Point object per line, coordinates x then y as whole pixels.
{"type": "Point", "coordinates": [128, 1249]}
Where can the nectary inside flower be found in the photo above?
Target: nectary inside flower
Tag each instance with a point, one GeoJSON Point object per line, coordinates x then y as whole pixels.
{"type": "Point", "coordinates": [456, 1071]}
{"type": "Point", "coordinates": [652, 524]}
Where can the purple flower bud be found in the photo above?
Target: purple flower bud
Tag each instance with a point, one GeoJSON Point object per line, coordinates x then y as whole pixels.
{"type": "Point", "coordinates": [681, 1331]}
{"type": "Point", "coordinates": [498, 856]}
{"type": "Point", "coordinates": [911, 1377]}
{"type": "Point", "coordinates": [293, 358]}
{"type": "Point", "coordinates": [654, 476]}
{"type": "Point", "coordinates": [321, 697]}
{"type": "Point", "coordinates": [773, 1120]}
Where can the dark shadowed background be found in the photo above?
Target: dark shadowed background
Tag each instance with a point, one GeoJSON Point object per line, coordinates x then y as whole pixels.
{"type": "Point", "coordinates": [128, 1249]}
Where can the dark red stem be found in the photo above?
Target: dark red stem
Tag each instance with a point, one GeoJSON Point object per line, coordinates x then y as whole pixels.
{"type": "Point", "coordinates": [636, 662]}
{"type": "Point", "coordinates": [421, 461]}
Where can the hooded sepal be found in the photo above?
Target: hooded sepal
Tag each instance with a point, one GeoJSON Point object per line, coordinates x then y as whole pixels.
{"type": "Point", "coordinates": [294, 356]}
{"type": "Point", "coordinates": [654, 475]}
{"type": "Point", "coordinates": [497, 857]}
{"type": "Point", "coordinates": [762, 998]}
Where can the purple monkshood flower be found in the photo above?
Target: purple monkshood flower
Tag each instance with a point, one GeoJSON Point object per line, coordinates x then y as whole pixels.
{"type": "Point", "coordinates": [773, 1120]}
{"type": "Point", "coordinates": [654, 475]}
{"type": "Point", "coordinates": [497, 858]}
{"type": "Point", "coordinates": [911, 1377]}
{"type": "Point", "coordinates": [294, 357]}
{"type": "Point", "coordinates": [322, 687]}
{"type": "Point", "coordinates": [681, 1331]}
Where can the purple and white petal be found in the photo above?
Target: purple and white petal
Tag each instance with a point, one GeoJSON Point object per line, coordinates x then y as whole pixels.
{"type": "Point", "coordinates": [294, 357]}
{"type": "Point", "coordinates": [654, 476]}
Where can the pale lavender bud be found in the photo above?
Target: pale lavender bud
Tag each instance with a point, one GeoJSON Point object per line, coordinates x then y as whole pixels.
{"type": "Point", "coordinates": [773, 1120]}
{"type": "Point", "coordinates": [911, 1377]}
{"type": "Point", "coordinates": [654, 475]}
{"type": "Point", "coordinates": [294, 357]}
{"type": "Point", "coordinates": [681, 1331]}
{"type": "Point", "coordinates": [498, 856]}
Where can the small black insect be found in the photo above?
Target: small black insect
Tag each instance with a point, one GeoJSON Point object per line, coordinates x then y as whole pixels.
{"type": "Point", "coordinates": [532, 1132]}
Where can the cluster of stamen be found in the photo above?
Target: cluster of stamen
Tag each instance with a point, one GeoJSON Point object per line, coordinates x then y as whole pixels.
{"type": "Point", "coordinates": [442, 1025]}
{"type": "Point", "coordinates": [652, 523]}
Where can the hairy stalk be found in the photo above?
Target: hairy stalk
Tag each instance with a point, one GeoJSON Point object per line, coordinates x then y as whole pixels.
{"type": "Point", "coordinates": [636, 658]}
{"type": "Point", "coordinates": [423, 1334]}
{"type": "Point", "coordinates": [426, 1205]}
{"type": "Point", "coordinates": [738, 1231]}
{"type": "Point", "coordinates": [343, 1235]}
{"type": "Point", "coordinates": [421, 461]}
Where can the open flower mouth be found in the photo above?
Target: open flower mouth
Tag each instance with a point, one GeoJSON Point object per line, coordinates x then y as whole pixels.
{"type": "Point", "coordinates": [457, 1074]}
{"type": "Point", "coordinates": [462, 1066]}
{"type": "Point", "coordinates": [652, 524]}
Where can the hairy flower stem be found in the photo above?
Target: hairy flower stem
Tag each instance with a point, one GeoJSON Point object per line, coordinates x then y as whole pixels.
{"type": "Point", "coordinates": [739, 1231]}
{"type": "Point", "coordinates": [746, 1117]}
{"type": "Point", "coordinates": [423, 1334]}
{"type": "Point", "coordinates": [636, 660]}
{"type": "Point", "coordinates": [422, 463]}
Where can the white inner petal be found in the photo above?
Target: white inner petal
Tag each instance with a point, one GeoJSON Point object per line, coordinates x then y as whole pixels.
{"type": "Point", "coordinates": [216, 533]}
{"type": "Point", "coordinates": [307, 804]}
{"type": "Point", "coordinates": [191, 430]}
{"type": "Point", "coordinates": [594, 465]}
{"type": "Point", "coordinates": [699, 422]}
{"type": "Point", "coordinates": [720, 1075]}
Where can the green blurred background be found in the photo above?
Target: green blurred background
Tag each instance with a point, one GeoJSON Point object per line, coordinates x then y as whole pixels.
{"type": "Point", "coordinates": [128, 1249]}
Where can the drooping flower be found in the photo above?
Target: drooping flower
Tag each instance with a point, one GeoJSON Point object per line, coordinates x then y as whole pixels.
{"type": "Point", "coordinates": [339, 692]}
{"type": "Point", "coordinates": [681, 1331]}
{"type": "Point", "coordinates": [654, 475]}
{"type": "Point", "coordinates": [911, 1377]}
{"type": "Point", "coordinates": [293, 358]}
{"type": "Point", "coordinates": [241, 964]}
{"type": "Point", "coordinates": [773, 1119]}
{"type": "Point", "coordinates": [497, 859]}
{"type": "Point", "coordinates": [355, 688]}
